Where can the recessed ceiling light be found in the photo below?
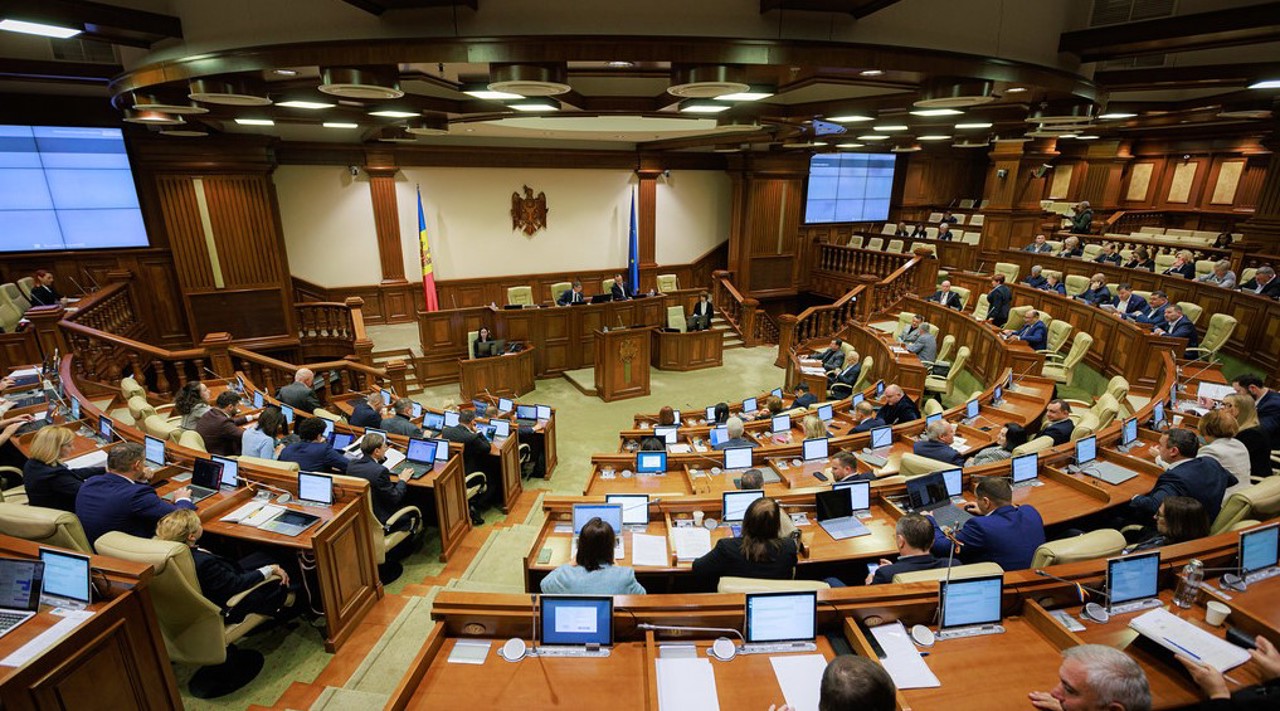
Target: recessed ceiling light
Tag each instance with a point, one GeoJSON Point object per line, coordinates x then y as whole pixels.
{"type": "Point", "coordinates": [850, 145]}
{"type": "Point", "coordinates": [255, 122]}
{"type": "Point", "coordinates": [1015, 90]}
{"type": "Point", "coordinates": [38, 28]}
{"type": "Point", "coordinates": [1264, 84]}
{"type": "Point", "coordinates": [980, 124]}
{"type": "Point", "coordinates": [394, 114]}
{"type": "Point", "coordinates": [1111, 115]}
{"type": "Point", "coordinates": [1089, 137]}
{"type": "Point", "coordinates": [755, 93]}
{"type": "Point", "coordinates": [152, 117]}
{"type": "Point", "coordinates": [871, 72]}
{"type": "Point", "coordinates": [482, 91]}
{"type": "Point", "coordinates": [805, 144]}
{"type": "Point", "coordinates": [619, 64]}
{"type": "Point", "coordinates": [702, 106]}
{"type": "Point", "coordinates": [905, 149]}
{"type": "Point", "coordinates": [889, 127]}
{"type": "Point", "coordinates": [306, 105]}
{"type": "Point", "coordinates": [536, 105]}
{"type": "Point", "coordinates": [285, 72]}
{"type": "Point", "coordinates": [933, 137]}
{"type": "Point", "coordinates": [936, 112]}
{"type": "Point", "coordinates": [340, 124]}
{"type": "Point", "coordinates": [873, 137]}
{"type": "Point", "coordinates": [850, 118]}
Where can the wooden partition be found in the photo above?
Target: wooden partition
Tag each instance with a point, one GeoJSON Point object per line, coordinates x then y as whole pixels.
{"type": "Point", "coordinates": [508, 375]}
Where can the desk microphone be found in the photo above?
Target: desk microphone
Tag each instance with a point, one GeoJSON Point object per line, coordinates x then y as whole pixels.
{"type": "Point", "coordinates": [723, 649]}
{"type": "Point", "coordinates": [1182, 382]}
{"type": "Point", "coordinates": [1018, 378]}
{"type": "Point", "coordinates": [514, 649]}
{"type": "Point", "coordinates": [284, 497]}
{"type": "Point", "coordinates": [1231, 579]}
{"type": "Point", "coordinates": [89, 275]}
{"type": "Point", "coordinates": [1092, 610]}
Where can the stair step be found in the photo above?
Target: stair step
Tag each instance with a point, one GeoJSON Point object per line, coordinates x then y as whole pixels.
{"type": "Point", "coordinates": [335, 699]}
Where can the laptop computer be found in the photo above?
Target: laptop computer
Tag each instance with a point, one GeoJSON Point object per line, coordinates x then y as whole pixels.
{"type": "Point", "coordinates": [206, 477]}
{"type": "Point", "coordinates": [972, 409]}
{"type": "Point", "coordinates": [635, 509]}
{"type": "Point", "coordinates": [711, 413]}
{"type": "Point", "coordinates": [75, 409]}
{"type": "Point", "coordinates": [451, 418]}
{"type": "Point", "coordinates": [931, 494]}
{"type": "Point", "coordinates": [749, 405]}
{"type": "Point", "coordinates": [970, 607]}
{"type": "Point", "coordinates": [386, 397]}
{"type": "Point", "coordinates": [824, 413]}
{"type": "Point", "coordinates": [1133, 582]}
{"type": "Point", "coordinates": [341, 440]}
{"type": "Point", "coordinates": [575, 626]}
{"type": "Point", "coordinates": [258, 400]}
{"type": "Point", "coordinates": [420, 457]}
{"type": "Point", "coordinates": [1260, 553]}
{"type": "Point", "coordinates": [856, 400]}
{"type": "Point", "coordinates": [838, 509]}
{"type": "Point", "coordinates": [781, 423]}
{"type": "Point", "coordinates": [154, 447]}
{"type": "Point", "coordinates": [20, 586]}
{"type": "Point", "coordinates": [935, 417]}
{"type": "Point", "coordinates": [288, 414]}
{"type": "Point", "coordinates": [718, 435]}
{"type": "Point", "coordinates": [667, 433]}
{"type": "Point", "coordinates": [504, 405]}
{"type": "Point", "coordinates": [230, 478]}
{"type": "Point", "coordinates": [433, 421]}
{"type": "Point", "coordinates": [610, 513]}
{"type": "Point", "coordinates": [66, 579]}
{"type": "Point", "coordinates": [1087, 462]}
{"type": "Point", "coordinates": [1026, 470]}
{"type": "Point", "coordinates": [315, 489]}
{"type": "Point", "coordinates": [417, 409]}
{"type": "Point", "coordinates": [527, 414]}
{"type": "Point", "coordinates": [781, 622]}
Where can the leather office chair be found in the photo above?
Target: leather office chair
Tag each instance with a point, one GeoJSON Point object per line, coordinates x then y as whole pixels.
{"type": "Point", "coordinates": [856, 241]}
{"type": "Point", "coordinates": [191, 440]}
{"type": "Point", "coordinates": [864, 375]}
{"type": "Point", "coordinates": [875, 244]}
{"type": "Point", "coordinates": [944, 350]}
{"type": "Point", "coordinates": [945, 386]}
{"type": "Point", "coordinates": [9, 491]}
{"type": "Point", "coordinates": [1076, 284]}
{"type": "Point", "coordinates": [559, 288]}
{"type": "Point", "coordinates": [51, 527]}
{"type": "Point", "coordinates": [958, 572]}
{"type": "Point", "coordinates": [9, 315]}
{"type": "Point", "coordinates": [520, 295]}
{"type": "Point", "coordinates": [471, 343]}
{"type": "Point", "coordinates": [888, 228]}
{"type": "Point", "coordinates": [328, 415]}
{"type": "Point", "coordinates": [1055, 246]}
{"type": "Point", "coordinates": [387, 536]}
{"type": "Point", "coordinates": [1046, 273]}
{"type": "Point", "coordinates": [668, 283]}
{"type": "Point", "coordinates": [606, 286]}
{"type": "Point", "coordinates": [971, 237]}
{"type": "Point", "coordinates": [1163, 262]}
{"type": "Point", "coordinates": [935, 217]}
{"type": "Point", "coordinates": [1247, 275]}
{"type": "Point", "coordinates": [675, 318]}
{"type": "Point", "coordinates": [1059, 331]}
{"type": "Point", "coordinates": [1102, 543]}
{"type": "Point", "coordinates": [1260, 501]}
{"type": "Point", "coordinates": [21, 302]}
{"type": "Point", "coordinates": [1192, 311]}
{"type": "Point", "coordinates": [982, 309]}
{"type": "Point", "coordinates": [731, 584]}
{"type": "Point", "coordinates": [26, 284]}
{"type": "Point", "coordinates": [1063, 368]}
{"type": "Point", "coordinates": [157, 426]}
{"type": "Point", "coordinates": [977, 220]}
{"type": "Point", "coordinates": [895, 245]}
{"type": "Point", "coordinates": [291, 467]}
{"type": "Point", "coordinates": [140, 409]}
{"type": "Point", "coordinates": [1018, 317]}
{"type": "Point", "coordinates": [914, 465]}
{"type": "Point", "coordinates": [1039, 444]}
{"type": "Point", "coordinates": [964, 295]}
{"type": "Point", "coordinates": [130, 388]}
{"type": "Point", "coordinates": [1086, 426]}
{"type": "Point", "coordinates": [193, 628]}
{"type": "Point", "coordinates": [1221, 326]}
{"type": "Point", "coordinates": [848, 350]}
{"type": "Point", "coordinates": [1010, 272]}
{"type": "Point", "coordinates": [932, 407]}
{"type": "Point", "coordinates": [1204, 266]}
{"type": "Point", "coordinates": [1091, 251]}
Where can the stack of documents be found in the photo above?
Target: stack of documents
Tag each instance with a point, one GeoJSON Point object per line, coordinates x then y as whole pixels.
{"type": "Point", "coordinates": [1181, 637]}
{"type": "Point", "coordinates": [255, 513]}
{"type": "Point", "coordinates": [686, 685]}
{"type": "Point", "coordinates": [649, 550]}
{"type": "Point", "coordinates": [691, 543]}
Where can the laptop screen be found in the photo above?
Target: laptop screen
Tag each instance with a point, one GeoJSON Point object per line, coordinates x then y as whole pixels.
{"type": "Point", "coordinates": [651, 462]}
{"type": "Point", "coordinates": [781, 423]}
{"type": "Point", "coordinates": [749, 405]}
{"type": "Point", "coordinates": [386, 396]}
{"type": "Point", "coordinates": [1129, 434]}
{"type": "Point", "coordinates": [1026, 467]}
{"type": "Point", "coordinates": [776, 392]}
{"type": "Point", "coordinates": [543, 412]}
{"type": "Point", "coordinates": [1259, 549]}
{"type": "Point", "coordinates": [316, 488]}
{"type": "Point", "coordinates": [155, 451]}
{"type": "Point", "coordinates": [711, 414]}
{"type": "Point", "coordinates": [857, 400]}
{"type": "Point", "coordinates": [328, 426]}
{"type": "Point", "coordinates": [66, 576]}
{"type": "Point", "coordinates": [737, 458]}
{"type": "Point", "coordinates": [504, 404]}
{"type": "Point", "coordinates": [421, 451]}
{"type": "Point", "coordinates": [927, 490]}
{"type": "Point", "coordinates": [1157, 415]}
{"type": "Point", "coordinates": [635, 508]}
{"type": "Point", "coordinates": [667, 433]}
{"type": "Point", "coordinates": [501, 428]}
{"type": "Point", "coordinates": [206, 473]}
{"type": "Point", "coordinates": [20, 584]}
{"type": "Point", "coordinates": [341, 440]}
{"type": "Point", "coordinates": [881, 437]}
{"type": "Point", "coordinates": [719, 435]}
{"type": "Point", "coordinates": [975, 601]}
{"type": "Point", "coordinates": [527, 412]}
{"type": "Point", "coordinates": [859, 493]}
{"type": "Point", "coordinates": [1134, 577]}
{"type": "Point", "coordinates": [75, 409]}
{"type": "Point", "coordinates": [374, 430]}
{"type": "Point", "coordinates": [105, 427]}
{"type": "Point", "coordinates": [824, 413]}
{"type": "Point", "coordinates": [932, 418]}
{"type": "Point", "coordinates": [433, 421]}
{"type": "Point", "coordinates": [258, 400]}
{"type": "Point", "coordinates": [782, 617]}
{"type": "Point", "coordinates": [230, 471]}
{"type": "Point", "coordinates": [288, 413]}
{"type": "Point", "coordinates": [442, 449]}
{"type": "Point", "coordinates": [815, 449]}
{"type": "Point", "coordinates": [609, 513]}
{"type": "Point", "coordinates": [1086, 450]}
{"type": "Point", "coordinates": [735, 504]}
{"type": "Point", "coordinates": [450, 418]}
{"type": "Point", "coordinates": [480, 406]}
{"type": "Point", "coordinates": [971, 409]}
{"type": "Point", "coordinates": [954, 481]}
{"type": "Point", "coordinates": [879, 388]}
{"type": "Point", "coordinates": [576, 621]}
{"type": "Point", "coordinates": [417, 409]}
{"type": "Point", "coordinates": [997, 394]}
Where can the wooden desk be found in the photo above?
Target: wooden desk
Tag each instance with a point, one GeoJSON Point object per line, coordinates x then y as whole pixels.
{"type": "Point", "coordinates": [622, 363]}
{"type": "Point", "coordinates": [694, 350]}
{"type": "Point", "coordinates": [510, 375]}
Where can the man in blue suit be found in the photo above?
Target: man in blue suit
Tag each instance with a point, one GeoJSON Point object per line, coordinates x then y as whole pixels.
{"type": "Point", "coordinates": [1035, 279]}
{"type": "Point", "coordinates": [122, 499]}
{"type": "Point", "coordinates": [999, 532]}
{"type": "Point", "coordinates": [1153, 314]}
{"type": "Point", "coordinates": [1127, 302]}
{"type": "Point", "coordinates": [1033, 332]}
{"type": "Point", "coordinates": [865, 418]}
{"type": "Point", "coordinates": [1177, 325]}
{"type": "Point", "coordinates": [364, 412]}
{"type": "Point", "coordinates": [935, 443]}
{"type": "Point", "coordinates": [1185, 474]}
{"type": "Point", "coordinates": [1266, 400]}
{"type": "Point", "coordinates": [802, 397]}
{"type": "Point", "coordinates": [1057, 422]}
{"type": "Point", "coordinates": [313, 453]}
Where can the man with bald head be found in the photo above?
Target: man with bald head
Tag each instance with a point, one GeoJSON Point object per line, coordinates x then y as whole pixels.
{"type": "Point", "coordinates": [898, 408]}
{"type": "Point", "coordinates": [945, 296]}
{"type": "Point", "coordinates": [299, 394]}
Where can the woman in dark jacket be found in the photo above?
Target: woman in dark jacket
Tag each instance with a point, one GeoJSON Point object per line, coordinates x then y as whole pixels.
{"type": "Point", "coordinates": [759, 553]}
{"type": "Point", "coordinates": [49, 482]}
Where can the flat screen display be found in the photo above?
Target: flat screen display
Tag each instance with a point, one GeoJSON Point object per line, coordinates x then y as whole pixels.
{"type": "Point", "coordinates": [651, 462]}
{"type": "Point", "coordinates": [782, 617]}
{"type": "Point", "coordinates": [1259, 549]}
{"type": "Point", "coordinates": [1134, 577]}
{"type": "Point", "coordinates": [1086, 450]}
{"type": "Point", "coordinates": [781, 423]}
{"type": "Point", "coordinates": [577, 621]}
{"type": "Point", "coordinates": [736, 504]}
{"type": "Point", "coordinates": [316, 488]}
{"type": "Point", "coordinates": [737, 458]}
{"type": "Point", "coordinates": [609, 513]}
{"type": "Point", "coordinates": [824, 413]}
{"type": "Point", "coordinates": [815, 449]}
{"type": "Point", "coordinates": [849, 187]}
{"type": "Point", "coordinates": [1025, 467]}
{"type": "Point", "coordinates": [971, 602]}
{"type": "Point", "coordinates": [881, 437]}
{"type": "Point", "coordinates": [635, 507]}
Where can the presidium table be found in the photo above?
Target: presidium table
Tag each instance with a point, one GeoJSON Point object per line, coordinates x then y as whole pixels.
{"type": "Point", "coordinates": [622, 363]}
{"type": "Point", "coordinates": [506, 375]}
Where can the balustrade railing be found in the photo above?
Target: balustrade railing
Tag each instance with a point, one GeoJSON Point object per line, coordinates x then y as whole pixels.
{"type": "Point", "coordinates": [852, 260]}
{"type": "Point", "coordinates": [743, 313]}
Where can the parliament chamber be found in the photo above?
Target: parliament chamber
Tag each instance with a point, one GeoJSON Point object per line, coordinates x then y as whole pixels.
{"type": "Point", "coordinates": [801, 354]}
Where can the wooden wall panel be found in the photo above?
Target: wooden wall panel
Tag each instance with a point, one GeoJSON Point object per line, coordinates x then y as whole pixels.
{"type": "Point", "coordinates": [242, 215]}
{"type": "Point", "coordinates": [182, 222]}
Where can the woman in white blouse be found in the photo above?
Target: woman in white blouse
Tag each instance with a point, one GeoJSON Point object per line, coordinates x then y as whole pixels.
{"type": "Point", "coordinates": [1219, 431]}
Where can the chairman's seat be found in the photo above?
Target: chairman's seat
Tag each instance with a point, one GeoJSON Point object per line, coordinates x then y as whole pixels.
{"type": "Point", "coordinates": [668, 283]}
{"type": "Point", "coordinates": [559, 288]}
{"type": "Point", "coordinates": [520, 296]}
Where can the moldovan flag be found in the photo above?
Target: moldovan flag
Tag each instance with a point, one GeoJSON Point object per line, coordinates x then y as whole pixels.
{"type": "Point", "coordinates": [428, 271]}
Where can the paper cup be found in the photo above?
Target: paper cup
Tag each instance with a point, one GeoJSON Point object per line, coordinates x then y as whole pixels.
{"type": "Point", "coordinates": [1215, 613]}
{"type": "Point", "coordinates": [697, 518]}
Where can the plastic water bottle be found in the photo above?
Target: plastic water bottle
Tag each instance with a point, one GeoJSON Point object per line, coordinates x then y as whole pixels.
{"type": "Point", "coordinates": [1189, 584]}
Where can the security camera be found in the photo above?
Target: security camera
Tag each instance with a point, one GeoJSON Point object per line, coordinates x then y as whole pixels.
{"type": "Point", "coordinates": [354, 170]}
{"type": "Point", "coordinates": [1186, 156]}
{"type": "Point", "coordinates": [666, 174]}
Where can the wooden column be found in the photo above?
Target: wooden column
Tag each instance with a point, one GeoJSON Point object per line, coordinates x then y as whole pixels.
{"type": "Point", "coordinates": [386, 220]}
{"type": "Point", "coordinates": [646, 222]}
{"type": "Point", "coordinates": [765, 232]}
{"type": "Point", "coordinates": [1262, 231]}
{"type": "Point", "coordinates": [1013, 212]}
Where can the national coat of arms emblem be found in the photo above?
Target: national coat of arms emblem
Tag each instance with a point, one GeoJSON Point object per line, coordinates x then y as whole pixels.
{"type": "Point", "coordinates": [528, 213]}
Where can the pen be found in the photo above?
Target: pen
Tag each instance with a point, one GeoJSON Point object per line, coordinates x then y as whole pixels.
{"type": "Point", "coordinates": [1189, 653]}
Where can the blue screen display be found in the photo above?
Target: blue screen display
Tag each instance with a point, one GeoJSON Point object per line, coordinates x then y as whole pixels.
{"type": "Point", "coordinates": [577, 621]}
{"type": "Point", "coordinates": [849, 187]}
{"type": "Point", "coordinates": [67, 188]}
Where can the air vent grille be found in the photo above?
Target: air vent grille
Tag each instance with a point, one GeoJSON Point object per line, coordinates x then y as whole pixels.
{"type": "Point", "coordinates": [78, 50]}
{"type": "Point", "coordinates": [1114, 12]}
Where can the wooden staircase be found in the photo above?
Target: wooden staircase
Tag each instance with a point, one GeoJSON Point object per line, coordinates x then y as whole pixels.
{"type": "Point", "coordinates": [380, 359]}
{"type": "Point", "coordinates": [731, 337]}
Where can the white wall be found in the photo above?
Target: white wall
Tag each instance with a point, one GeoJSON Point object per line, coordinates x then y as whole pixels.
{"type": "Point", "coordinates": [329, 232]}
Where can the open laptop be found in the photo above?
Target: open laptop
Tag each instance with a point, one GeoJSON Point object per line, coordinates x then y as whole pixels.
{"type": "Point", "coordinates": [935, 417]}
{"type": "Point", "coordinates": [997, 396]}
{"type": "Point", "coordinates": [1260, 553]}
{"type": "Point", "coordinates": [876, 455]}
{"type": "Point", "coordinates": [856, 400]}
{"type": "Point", "coordinates": [341, 440]}
{"type": "Point", "coordinates": [206, 477]}
{"type": "Point", "coordinates": [422, 454]}
{"type": "Point", "coordinates": [635, 509]}
{"type": "Point", "coordinates": [258, 400]}
{"type": "Point", "coordinates": [288, 414]}
{"type": "Point", "coordinates": [838, 509]}
{"type": "Point", "coordinates": [1026, 470]}
{"type": "Point", "coordinates": [932, 493]}
{"type": "Point", "coordinates": [433, 421]}
{"type": "Point", "coordinates": [575, 626]}
{"type": "Point", "coordinates": [504, 405]}
{"type": "Point", "coordinates": [609, 513]}
{"type": "Point", "coordinates": [781, 622]}
{"type": "Point", "coordinates": [1133, 582]}
{"type": "Point", "coordinates": [66, 579]}
{"type": "Point", "coordinates": [749, 405]}
{"type": "Point", "coordinates": [20, 585]}
{"type": "Point", "coordinates": [970, 607]}
{"type": "Point", "coordinates": [1157, 414]}
{"type": "Point", "coordinates": [230, 477]}
{"type": "Point", "coordinates": [154, 447]}
{"type": "Point", "coordinates": [1087, 462]}
{"type": "Point", "coordinates": [718, 435]}
{"type": "Point", "coordinates": [651, 462]}
{"type": "Point", "coordinates": [667, 433]}
{"type": "Point", "coordinates": [734, 505]}
{"type": "Point", "coordinates": [451, 418]}
{"type": "Point", "coordinates": [527, 414]}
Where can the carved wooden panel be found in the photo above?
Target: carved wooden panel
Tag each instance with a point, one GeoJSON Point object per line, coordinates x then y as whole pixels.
{"type": "Point", "coordinates": [1139, 181]}
{"type": "Point", "coordinates": [1224, 188]}
{"type": "Point", "coordinates": [183, 224]}
{"type": "Point", "coordinates": [243, 220]}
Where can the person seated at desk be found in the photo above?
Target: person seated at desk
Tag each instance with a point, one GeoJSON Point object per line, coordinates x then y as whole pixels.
{"type": "Point", "coordinates": [9, 426]}
{"type": "Point", "coordinates": [483, 336]}
{"type": "Point", "coordinates": [49, 482]}
{"type": "Point", "coordinates": [1109, 255]}
{"type": "Point", "coordinates": [1127, 302]}
{"type": "Point", "coordinates": [367, 411]}
{"type": "Point", "coordinates": [844, 467]}
{"type": "Point", "coordinates": [1222, 241]}
{"type": "Point", "coordinates": [401, 421]}
{"type": "Point", "coordinates": [1153, 313]}
{"type": "Point", "coordinates": [1177, 325]}
{"type": "Point", "coordinates": [191, 402]}
{"type": "Point", "coordinates": [814, 427]}
{"type": "Point", "coordinates": [913, 535]}
{"type": "Point", "coordinates": [865, 418]}
{"type": "Point", "coordinates": [945, 296]}
{"type": "Point", "coordinates": [312, 452]}
{"type": "Point", "coordinates": [1057, 421]}
{"type": "Point", "coordinates": [1218, 429]}
{"type": "Point", "coordinates": [1266, 402]}
{"type": "Point", "coordinates": [1250, 433]}
{"type": "Point", "coordinates": [999, 532]}
{"type": "Point", "coordinates": [721, 412]}
{"type": "Point", "coordinates": [1011, 436]}
{"type": "Point", "coordinates": [833, 357]}
{"type": "Point", "coordinates": [573, 296]}
{"type": "Point", "coordinates": [760, 553]}
{"type": "Point", "coordinates": [619, 290]}
{"type": "Point", "coordinates": [851, 682]}
{"type": "Point", "coordinates": [1035, 279]}
{"type": "Point", "coordinates": [1071, 248]}
{"type": "Point", "coordinates": [840, 383]}
{"type": "Point", "coordinates": [801, 397]}
{"type": "Point", "coordinates": [385, 491]}
{"type": "Point", "coordinates": [1053, 283]}
{"type": "Point", "coordinates": [1185, 474]}
{"type": "Point", "coordinates": [43, 293]}
{"type": "Point", "coordinates": [944, 232]}
{"type": "Point", "coordinates": [948, 219]}
{"type": "Point", "coordinates": [902, 230]}
{"type": "Point", "coordinates": [1178, 520]}
{"type": "Point", "coordinates": [123, 499]}
{"type": "Point", "coordinates": [219, 426]}
{"type": "Point", "coordinates": [1263, 283]}
{"type": "Point", "coordinates": [918, 339]}
{"type": "Point", "coordinates": [1259, 697]}
{"type": "Point", "coordinates": [1033, 332]}
{"type": "Point", "coordinates": [593, 571]}
{"type": "Point", "coordinates": [734, 429]}
{"type": "Point", "coordinates": [898, 408]}
{"type": "Point", "coordinates": [920, 232]}
{"type": "Point", "coordinates": [999, 301]}
{"type": "Point", "coordinates": [667, 416]}
{"type": "Point", "coordinates": [263, 441]}
{"type": "Point", "coordinates": [935, 443]}
{"type": "Point", "coordinates": [222, 579]}
{"type": "Point", "coordinates": [475, 450]}
{"type": "Point", "coordinates": [1183, 266]}
{"type": "Point", "coordinates": [1039, 246]}
{"type": "Point", "coordinates": [1141, 259]}
{"type": "Point", "coordinates": [703, 312]}
{"type": "Point", "coordinates": [1095, 676]}
{"type": "Point", "coordinates": [300, 394]}
{"type": "Point", "coordinates": [1097, 293]}
{"type": "Point", "coordinates": [1221, 275]}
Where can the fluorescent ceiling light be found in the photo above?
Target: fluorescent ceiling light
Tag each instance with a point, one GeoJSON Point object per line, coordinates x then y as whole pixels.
{"type": "Point", "coordinates": [1110, 115]}
{"type": "Point", "coordinates": [745, 96]}
{"type": "Point", "coordinates": [394, 114]}
{"type": "Point", "coordinates": [38, 28]}
{"type": "Point", "coordinates": [538, 105]}
{"type": "Point", "coordinates": [483, 92]}
{"type": "Point", "coordinates": [340, 124]}
{"type": "Point", "coordinates": [850, 118]}
{"type": "Point", "coordinates": [1264, 84]}
{"type": "Point", "coordinates": [936, 112]}
{"type": "Point", "coordinates": [933, 137]}
{"type": "Point", "coordinates": [873, 137]}
{"type": "Point", "coordinates": [306, 105]}
{"type": "Point", "coordinates": [255, 122]}
{"type": "Point", "coordinates": [1015, 89]}
{"type": "Point", "coordinates": [871, 72]}
{"type": "Point", "coordinates": [702, 106]}
{"type": "Point", "coordinates": [850, 145]}
{"type": "Point", "coordinates": [285, 72]}
{"type": "Point", "coordinates": [1087, 138]}
{"type": "Point", "coordinates": [980, 124]}
{"type": "Point", "coordinates": [889, 127]}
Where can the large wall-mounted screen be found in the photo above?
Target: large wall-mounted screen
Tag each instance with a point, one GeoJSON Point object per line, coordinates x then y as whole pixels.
{"type": "Point", "coordinates": [67, 188]}
{"type": "Point", "coordinates": [849, 187]}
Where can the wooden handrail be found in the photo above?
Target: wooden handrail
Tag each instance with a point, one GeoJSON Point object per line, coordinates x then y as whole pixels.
{"type": "Point", "coordinates": [743, 313]}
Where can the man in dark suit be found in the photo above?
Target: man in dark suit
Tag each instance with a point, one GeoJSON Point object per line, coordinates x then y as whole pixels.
{"type": "Point", "coordinates": [1057, 422]}
{"type": "Point", "coordinates": [1039, 246]}
{"type": "Point", "coordinates": [1109, 255]}
{"type": "Point", "coordinates": [1097, 293]}
{"type": "Point", "coordinates": [944, 232]}
{"type": "Point", "coordinates": [123, 499]}
{"type": "Point", "coordinates": [840, 384]}
{"type": "Point", "coordinates": [865, 418]}
{"type": "Point", "coordinates": [1035, 279]}
{"type": "Point", "coordinates": [366, 411]}
{"type": "Point", "coordinates": [737, 438]}
{"type": "Point", "coordinates": [401, 421]}
{"type": "Point", "coordinates": [477, 453]}
{"type": "Point", "coordinates": [1265, 399]}
{"type": "Point", "coordinates": [1153, 314]}
{"type": "Point", "coordinates": [1185, 474]}
{"type": "Point", "coordinates": [299, 394]}
{"type": "Point", "coordinates": [1264, 283]}
{"type": "Point", "coordinates": [1182, 266]}
{"type": "Point", "coordinates": [43, 293]}
{"type": "Point", "coordinates": [833, 357]}
{"type": "Point", "coordinates": [844, 467]}
{"type": "Point", "coordinates": [914, 536]}
{"type": "Point", "coordinates": [703, 312]}
{"type": "Point", "coordinates": [312, 452]}
{"type": "Point", "coordinates": [385, 490]}
{"type": "Point", "coordinates": [802, 397]}
{"type": "Point", "coordinates": [573, 296]}
{"type": "Point", "coordinates": [999, 532]}
{"type": "Point", "coordinates": [220, 428]}
{"type": "Point", "coordinates": [1177, 325]}
{"type": "Point", "coordinates": [1033, 332]}
{"type": "Point", "coordinates": [945, 296]}
{"type": "Point", "coordinates": [619, 288]}
{"type": "Point", "coordinates": [935, 444]}
{"type": "Point", "coordinates": [898, 408]}
{"type": "Point", "coordinates": [999, 301]}
{"type": "Point", "coordinates": [1127, 302]}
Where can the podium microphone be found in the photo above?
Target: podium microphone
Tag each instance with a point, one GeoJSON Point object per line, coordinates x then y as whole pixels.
{"type": "Point", "coordinates": [722, 649]}
{"type": "Point", "coordinates": [1092, 610]}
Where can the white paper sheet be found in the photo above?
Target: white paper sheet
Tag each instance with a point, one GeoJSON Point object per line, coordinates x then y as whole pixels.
{"type": "Point", "coordinates": [394, 459]}
{"type": "Point", "coordinates": [469, 651]}
{"type": "Point", "coordinates": [1181, 637]}
{"type": "Point", "coordinates": [43, 641]}
{"type": "Point", "coordinates": [800, 676]}
{"type": "Point", "coordinates": [242, 512]}
{"type": "Point", "coordinates": [902, 660]}
{"type": "Point", "coordinates": [1214, 391]}
{"type": "Point", "coordinates": [690, 543]}
{"type": "Point", "coordinates": [96, 458]}
{"type": "Point", "coordinates": [649, 550]}
{"type": "Point", "coordinates": [686, 685]}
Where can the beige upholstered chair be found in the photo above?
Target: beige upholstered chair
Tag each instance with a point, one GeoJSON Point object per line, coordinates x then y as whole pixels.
{"type": "Point", "coordinates": [944, 351]}
{"type": "Point", "coordinates": [864, 375]}
{"type": "Point", "coordinates": [675, 318]}
{"type": "Point", "coordinates": [668, 283]}
{"type": "Point", "coordinates": [945, 386]}
{"type": "Point", "coordinates": [1091, 251]}
{"type": "Point", "coordinates": [1260, 501]}
{"type": "Point", "coordinates": [1039, 444]}
{"type": "Point", "coordinates": [977, 220]}
{"type": "Point", "coordinates": [982, 309]}
{"type": "Point", "coordinates": [932, 407]}
{"type": "Point", "coordinates": [191, 440]}
{"type": "Point", "coordinates": [971, 237]}
{"type": "Point", "coordinates": [1059, 331]}
{"type": "Point", "coordinates": [895, 245]}
{"type": "Point", "coordinates": [157, 426]}
{"type": "Point", "coordinates": [1204, 266]}
{"type": "Point", "coordinates": [1101, 543]}
{"type": "Point", "coordinates": [1010, 272]}
{"type": "Point", "coordinates": [888, 228]}
{"type": "Point", "coordinates": [559, 288]}
{"type": "Point", "coordinates": [1086, 426]}
{"type": "Point", "coordinates": [913, 465]}
{"type": "Point", "coordinates": [16, 297]}
{"type": "Point", "coordinates": [875, 244]}
{"type": "Point", "coordinates": [730, 584]}
{"type": "Point", "coordinates": [1018, 316]}
{"type": "Point", "coordinates": [520, 295]}
{"type": "Point", "coordinates": [1192, 311]}
{"type": "Point", "coordinates": [9, 315]}
{"type": "Point", "coordinates": [471, 344]}
{"type": "Point", "coordinates": [49, 527]}
{"type": "Point", "coordinates": [1246, 275]}
{"type": "Point", "coordinates": [1046, 273]}
{"type": "Point", "coordinates": [291, 467]}
{"type": "Point", "coordinates": [1221, 326]}
{"type": "Point", "coordinates": [1163, 262]}
{"type": "Point", "coordinates": [140, 409]}
{"type": "Point", "coordinates": [9, 493]}
{"type": "Point", "coordinates": [1063, 368]}
{"type": "Point", "coordinates": [328, 415]}
{"type": "Point", "coordinates": [964, 295]}
{"type": "Point", "coordinates": [1076, 284]}
{"type": "Point", "coordinates": [958, 572]}
{"type": "Point", "coordinates": [606, 285]}
{"type": "Point", "coordinates": [26, 284]}
{"type": "Point", "coordinates": [856, 241]}
{"type": "Point", "coordinates": [130, 388]}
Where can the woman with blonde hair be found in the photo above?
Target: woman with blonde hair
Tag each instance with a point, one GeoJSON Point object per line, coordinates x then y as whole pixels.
{"type": "Point", "coordinates": [1249, 433]}
{"type": "Point", "coordinates": [814, 427]}
{"type": "Point", "coordinates": [49, 482]}
{"type": "Point", "coordinates": [1218, 428]}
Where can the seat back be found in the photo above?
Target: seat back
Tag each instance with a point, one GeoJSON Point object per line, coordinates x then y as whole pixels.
{"type": "Point", "coordinates": [1164, 261]}
{"type": "Point", "coordinates": [962, 358]}
{"type": "Point", "coordinates": [559, 288]}
{"type": "Point", "coordinates": [130, 388]}
{"type": "Point", "coordinates": [1059, 331]}
{"type": "Point", "coordinates": [963, 293]}
{"type": "Point", "coordinates": [864, 375]}
{"type": "Point", "coordinates": [1018, 317]}
{"type": "Point", "coordinates": [606, 285]}
{"type": "Point", "coordinates": [875, 243]}
{"type": "Point", "coordinates": [328, 415]}
{"type": "Point", "coordinates": [982, 309]}
{"type": "Point", "coordinates": [1039, 444]}
{"type": "Point", "coordinates": [895, 245]}
{"type": "Point", "coordinates": [1221, 326]}
{"type": "Point", "coordinates": [471, 343]}
{"type": "Point", "coordinates": [1118, 388]}
{"type": "Point", "coordinates": [9, 315]}
{"type": "Point", "coordinates": [140, 409]}
{"type": "Point", "coordinates": [1101, 543]}
{"type": "Point", "coordinates": [1091, 251]}
{"type": "Point", "coordinates": [1246, 275]}
{"type": "Point", "coordinates": [888, 228]}
{"type": "Point", "coordinates": [971, 237]}
{"type": "Point", "coordinates": [191, 440]}
{"type": "Point", "coordinates": [977, 220]}
{"type": "Point", "coordinates": [1191, 311]}
{"type": "Point", "coordinates": [26, 284]}
{"type": "Point", "coordinates": [15, 295]}
{"type": "Point", "coordinates": [45, 526]}
{"type": "Point", "coordinates": [850, 353]}
{"type": "Point", "coordinates": [157, 426]}
{"type": "Point", "coordinates": [944, 351]}
{"type": "Point", "coordinates": [290, 467]}
{"type": "Point", "coordinates": [668, 283]}
{"type": "Point", "coordinates": [1088, 425]}
{"type": "Point", "coordinates": [928, 248]}
{"type": "Point", "coordinates": [1204, 266]}
{"type": "Point", "coordinates": [1010, 271]}
{"type": "Point", "coordinates": [1106, 409]}
{"type": "Point", "coordinates": [856, 241]}
{"type": "Point", "coordinates": [675, 318]}
{"type": "Point", "coordinates": [1076, 284]}
{"type": "Point", "coordinates": [914, 465]}
{"type": "Point", "coordinates": [958, 572]}
{"type": "Point", "coordinates": [520, 295]}
{"type": "Point", "coordinates": [1260, 501]}
{"type": "Point", "coordinates": [932, 407]}
{"type": "Point", "coordinates": [731, 584]}
{"type": "Point", "coordinates": [1079, 348]}
{"type": "Point", "coordinates": [904, 321]}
